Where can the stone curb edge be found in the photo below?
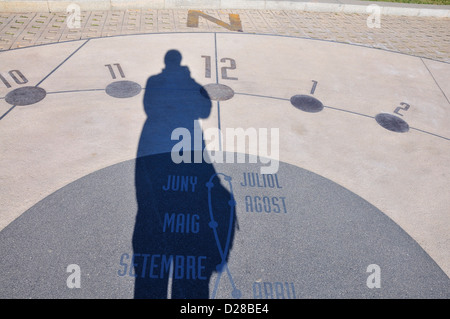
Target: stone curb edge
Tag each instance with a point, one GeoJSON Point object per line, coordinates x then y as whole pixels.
{"type": "Point", "coordinates": [106, 5]}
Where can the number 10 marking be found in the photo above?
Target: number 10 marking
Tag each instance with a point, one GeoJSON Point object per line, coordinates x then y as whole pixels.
{"type": "Point", "coordinates": [15, 75]}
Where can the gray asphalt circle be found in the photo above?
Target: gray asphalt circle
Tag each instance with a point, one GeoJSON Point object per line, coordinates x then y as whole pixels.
{"type": "Point", "coordinates": [307, 103]}
{"type": "Point", "coordinates": [25, 95]}
{"type": "Point", "coordinates": [392, 123]}
{"type": "Point", "coordinates": [293, 234]}
{"type": "Point", "coordinates": [217, 92]}
{"type": "Point", "coordinates": [123, 89]}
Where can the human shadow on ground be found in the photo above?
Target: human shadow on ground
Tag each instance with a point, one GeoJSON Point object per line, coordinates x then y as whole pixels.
{"type": "Point", "coordinates": [185, 221]}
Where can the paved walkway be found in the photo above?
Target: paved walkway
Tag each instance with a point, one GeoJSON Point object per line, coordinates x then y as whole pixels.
{"type": "Point", "coordinates": [427, 37]}
{"type": "Point", "coordinates": [363, 154]}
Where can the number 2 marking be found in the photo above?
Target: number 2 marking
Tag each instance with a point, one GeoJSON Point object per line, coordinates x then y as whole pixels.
{"type": "Point", "coordinates": [111, 70]}
{"type": "Point", "coordinates": [225, 68]}
{"type": "Point", "coordinates": [406, 108]}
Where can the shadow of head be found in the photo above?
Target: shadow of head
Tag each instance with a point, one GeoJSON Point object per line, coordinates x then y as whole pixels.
{"type": "Point", "coordinates": [172, 59]}
{"type": "Point", "coordinates": [172, 100]}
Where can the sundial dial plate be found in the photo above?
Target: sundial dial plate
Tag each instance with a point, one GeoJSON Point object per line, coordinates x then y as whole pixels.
{"type": "Point", "coordinates": [345, 171]}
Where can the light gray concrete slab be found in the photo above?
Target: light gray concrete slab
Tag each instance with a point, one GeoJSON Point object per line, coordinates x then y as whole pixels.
{"type": "Point", "coordinates": [77, 87]}
{"type": "Point", "coordinates": [439, 73]}
{"type": "Point", "coordinates": [337, 160]}
{"type": "Point", "coordinates": [351, 77]}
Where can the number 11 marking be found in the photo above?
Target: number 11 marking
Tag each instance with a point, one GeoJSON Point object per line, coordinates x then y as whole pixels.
{"type": "Point", "coordinates": [111, 70]}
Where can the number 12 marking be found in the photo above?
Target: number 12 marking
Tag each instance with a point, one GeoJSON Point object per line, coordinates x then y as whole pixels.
{"type": "Point", "coordinates": [223, 70]}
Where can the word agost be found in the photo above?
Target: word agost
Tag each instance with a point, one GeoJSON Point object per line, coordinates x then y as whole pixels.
{"type": "Point", "coordinates": [263, 203]}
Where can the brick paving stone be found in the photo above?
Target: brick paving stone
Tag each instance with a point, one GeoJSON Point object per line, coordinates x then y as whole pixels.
{"type": "Point", "coordinates": [75, 32]}
{"type": "Point", "coordinates": [131, 22]}
{"type": "Point", "coordinates": [254, 22]}
{"type": "Point", "coordinates": [5, 19]}
{"type": "Point", "coordinates": [94, 25]}
{"type": "Point", "coordinates": [13, 30]}
{"type": "Point", "coordinates": [32, 31]}
{"type": "Point", "coordinates": [165, 21]}
{"type": "Point", "coordinates": [49, 32]}
{"type": "Point", "coordinates": [420, 36]}
{"type": "Point", "coordinates": [113, 23]}
{"type": "Point", "coordinates": [149, 21]}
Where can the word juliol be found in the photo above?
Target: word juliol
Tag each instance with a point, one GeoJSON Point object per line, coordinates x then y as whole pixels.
{"type": "Point", "coordinates": [263, 180]}
{"type": "Point", "coordinates": [236, 139]}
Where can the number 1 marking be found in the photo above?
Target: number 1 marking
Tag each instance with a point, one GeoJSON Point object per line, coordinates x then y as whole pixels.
{"type": "Point", "coordinates": [313, 89]}
{"type": "Point", "coordinates": [207, 66]}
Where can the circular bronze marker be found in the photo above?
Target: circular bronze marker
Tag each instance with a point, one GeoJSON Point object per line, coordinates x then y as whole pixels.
{"type": "Point", "coordinates": [307, 103]}
{"type": "Point", "coordinates": [123, 89]}
{"type": "Point", "coordinates": [25, 95]}
{"type": "Point", "coordinates": [217, 92]}
{"type": "Point", "coordinates": [392, 123]}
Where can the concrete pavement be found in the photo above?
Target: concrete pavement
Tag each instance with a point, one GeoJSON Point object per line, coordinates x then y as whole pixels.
{"type": "Point", "coordinates": [358, 205]}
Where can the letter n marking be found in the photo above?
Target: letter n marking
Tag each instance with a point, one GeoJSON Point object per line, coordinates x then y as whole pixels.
{"type": "Point", "coordinates": [234, 25]}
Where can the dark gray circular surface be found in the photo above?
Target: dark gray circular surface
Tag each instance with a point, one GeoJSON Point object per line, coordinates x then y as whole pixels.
{"type": "Point", "coordinates": [217, 92]}
{"type": "Point", "coordinates": [293, 235]}
{"type": "Point", "coordinates": [123, 89]}
{"type": "Point", "coordinates": [392, 123]}
{"type": "Point", "coordinates": [307, 103]}
{"type": "Point", "coordinates": [25, 95]}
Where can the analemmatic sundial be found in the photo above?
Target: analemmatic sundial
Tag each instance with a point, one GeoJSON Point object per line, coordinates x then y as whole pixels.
{"type": "Point", "coordinates": [357, 205]}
